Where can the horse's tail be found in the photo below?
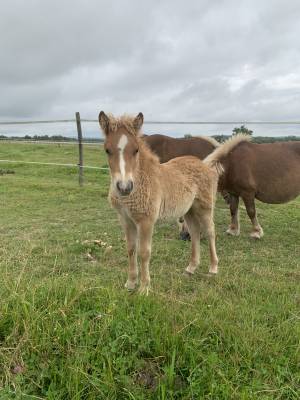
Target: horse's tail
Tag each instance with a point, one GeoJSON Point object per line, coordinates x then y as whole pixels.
{"type": "Point", "coordinates": [209, 139]}
{"type": "Point", "coordinates": [214, 159]}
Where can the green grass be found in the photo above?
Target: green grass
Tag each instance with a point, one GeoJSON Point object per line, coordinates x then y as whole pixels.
{"type": "Point", "coordinates": [69, 330]}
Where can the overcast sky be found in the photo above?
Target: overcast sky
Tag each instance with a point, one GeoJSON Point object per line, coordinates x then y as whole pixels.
{"type": "Point", "coordinates": [190, 60]}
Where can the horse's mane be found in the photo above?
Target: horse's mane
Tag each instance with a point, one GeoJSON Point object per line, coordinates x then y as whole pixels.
{"type": "Point", "coordinates": [124, 121]}
{"type": "Point", "coordinates": [146, 152]}
{"type": "Point", "coordinates": [127, 122]}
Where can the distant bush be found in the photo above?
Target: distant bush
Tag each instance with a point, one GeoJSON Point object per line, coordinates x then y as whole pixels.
{"type": "Point", "coordinates": [260, 139]}
{"type": "Point", "coordinates": [242, 129]}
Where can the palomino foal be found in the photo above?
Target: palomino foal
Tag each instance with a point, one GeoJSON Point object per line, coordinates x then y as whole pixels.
{"type": "Point", "coordinates": [142, 190]}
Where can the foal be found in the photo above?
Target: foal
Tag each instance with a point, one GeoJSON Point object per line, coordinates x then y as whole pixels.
{"type": "Point", "coordinates": [142, 191]}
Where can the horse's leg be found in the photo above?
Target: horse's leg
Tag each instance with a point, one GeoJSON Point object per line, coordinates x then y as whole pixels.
{"type": "Point", "coordinates": [183, 229]}
{"type": "Point", "coordinates": [131, 240]}
{"type": "Point", "coordinates": [193, 224]}
{"type": "Point", "coordinates": [208, 225]}
{"type": "Point", "coordinates": [145, 230]}
{"type": "Point", "coordinates": [257, 231]}
{"type": "Point", "coordinates": [234, 227]}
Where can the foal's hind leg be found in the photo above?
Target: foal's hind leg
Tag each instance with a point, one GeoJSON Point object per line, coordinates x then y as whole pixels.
{"type": "Point", "coordinates": [257, 231]}
{"type": "Point", "coordinates": [234, 227]}
{"type": "Point", "coordinates": [208, 225]}
{"type": "Point", "coordinates": [193, 224]}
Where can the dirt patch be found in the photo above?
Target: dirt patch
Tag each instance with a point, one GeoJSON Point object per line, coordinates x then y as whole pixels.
{"type": "Point", "coordinates": [148, 376]}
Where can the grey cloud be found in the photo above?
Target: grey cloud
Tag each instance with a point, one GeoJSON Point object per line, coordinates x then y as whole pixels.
{"type": "Point", "coordinates": [172, 60]}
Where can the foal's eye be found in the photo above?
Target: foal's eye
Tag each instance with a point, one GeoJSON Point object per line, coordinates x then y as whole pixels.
{"type": "Point", "coordinates": [135, 151]}
{"type": "Point", "coordinates": [108, 152]}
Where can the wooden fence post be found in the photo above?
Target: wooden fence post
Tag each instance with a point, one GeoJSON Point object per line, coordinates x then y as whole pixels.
{"type": "Point", "coordinates": [80, 164]}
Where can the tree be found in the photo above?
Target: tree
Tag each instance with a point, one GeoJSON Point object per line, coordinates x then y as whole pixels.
{"type": "Point", "coordinates": [242, 129]}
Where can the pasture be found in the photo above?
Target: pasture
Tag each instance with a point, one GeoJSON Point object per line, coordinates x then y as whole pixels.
{"type": "Point", "coordinates": [69, 329]}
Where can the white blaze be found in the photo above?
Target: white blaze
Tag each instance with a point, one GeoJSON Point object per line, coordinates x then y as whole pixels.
{"type": "Point", "coordinates": [121, 146]}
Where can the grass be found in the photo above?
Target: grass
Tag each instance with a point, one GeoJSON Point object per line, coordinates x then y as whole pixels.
{"type": "Point", "coordinates": [69, 330]}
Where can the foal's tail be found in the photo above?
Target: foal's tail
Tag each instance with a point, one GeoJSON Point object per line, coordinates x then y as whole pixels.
{"type": "Point", "coordinates": [214, 159]}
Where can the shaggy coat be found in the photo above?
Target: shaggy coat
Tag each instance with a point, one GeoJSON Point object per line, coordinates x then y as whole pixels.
{"type": "Point", "coordinates": [143, 190]}
{"type": "Point", "coordinates": [166, 148]}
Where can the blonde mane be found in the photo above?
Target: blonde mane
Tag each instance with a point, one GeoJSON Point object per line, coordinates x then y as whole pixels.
{"type": "Point", "coordinates": [147, 153]}
{"type": "Point", "coordinates": [127, 122]}
{"type": "Point", "coordinates": [124, 121]}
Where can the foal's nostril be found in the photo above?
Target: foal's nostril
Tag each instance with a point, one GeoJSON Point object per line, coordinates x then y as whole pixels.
{"type": "Point", "coordinates": [130, 186]}
{"type": "Point", "coordinates": [119, 187]}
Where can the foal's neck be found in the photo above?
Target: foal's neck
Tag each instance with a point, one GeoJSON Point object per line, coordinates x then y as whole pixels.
{"type": "Point", "coordinates": [147, 159]}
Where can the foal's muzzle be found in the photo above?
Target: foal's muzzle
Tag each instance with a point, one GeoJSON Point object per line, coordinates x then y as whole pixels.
{"type": "Point", "coordinates": [124, 188]}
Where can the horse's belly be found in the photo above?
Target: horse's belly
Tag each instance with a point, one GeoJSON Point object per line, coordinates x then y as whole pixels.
{"type": "Point", "coordinates": [170, 208]}
{"type": "Point", "coordinates": [174, 212]}
{"type": "Point", "coordinates": [278, 196]}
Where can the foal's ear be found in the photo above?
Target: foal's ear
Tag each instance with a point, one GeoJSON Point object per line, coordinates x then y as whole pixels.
{"type": "Point", "coordinates": [138, 121]}
{"type": "Point", "coordinates": [104, 122]}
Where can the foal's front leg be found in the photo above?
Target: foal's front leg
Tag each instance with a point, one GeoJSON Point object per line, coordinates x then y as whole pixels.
{"type": "Point", "coordinates": [131, 240]}
{"type": "Point", "coordinates": [145, 231]}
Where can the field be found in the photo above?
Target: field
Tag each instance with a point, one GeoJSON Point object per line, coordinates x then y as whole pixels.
{"type": "Point", "coordinates": [69, 330]}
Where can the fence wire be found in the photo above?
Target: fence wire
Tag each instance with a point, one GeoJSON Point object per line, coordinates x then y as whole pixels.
{"type": "Point", "coordinates": [87, 120]}
{"type": "Point", "coordinates": [55, 121]}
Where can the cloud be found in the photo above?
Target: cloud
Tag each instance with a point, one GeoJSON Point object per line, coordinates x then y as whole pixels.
{"type": "Point", "coordinates": [201, 60]}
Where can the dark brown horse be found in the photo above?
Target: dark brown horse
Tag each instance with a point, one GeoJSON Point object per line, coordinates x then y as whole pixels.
{"type": "Point", "coordinates": [268, 172]}
{"type": "Point", "coordinates": [166, 147]}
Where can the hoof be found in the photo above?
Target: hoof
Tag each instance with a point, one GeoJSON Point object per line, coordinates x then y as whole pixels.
{"type": "Point", "coordinates": [213, 271]}
{"type": "Point", "coordinates": [233, 232]}
{"type": "Point", "coordinates": [144, 290]}
{"type": "Point", "coordinates": [130, 285]}
{"type": "Point", "coordinates": [256, 234]}
{"type": "Point", "coordinates": [190, 270]}
{"type": "Point", "coordinates": [184, 236]}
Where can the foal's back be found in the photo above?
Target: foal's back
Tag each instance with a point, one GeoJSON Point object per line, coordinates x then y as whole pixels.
{"type": "Point", "coordinates": [186, 179]}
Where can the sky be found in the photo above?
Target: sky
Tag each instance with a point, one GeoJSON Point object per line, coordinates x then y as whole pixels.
{"type": "Point", "coordinates": [198, 60]}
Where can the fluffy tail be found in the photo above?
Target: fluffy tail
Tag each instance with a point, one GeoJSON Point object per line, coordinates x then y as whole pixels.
{"type": "Point", "coordinates": [209, 139]}
{"type": "Point", "coordinates": [214, 158]}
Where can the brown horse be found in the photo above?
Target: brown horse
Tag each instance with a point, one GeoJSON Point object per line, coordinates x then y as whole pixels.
{"type": "Point", "coordinates": [166, 147]}
{"type": "Point", "coordinates": [268, 172]}
{"type": "Point", "coordinates": [142, 190]}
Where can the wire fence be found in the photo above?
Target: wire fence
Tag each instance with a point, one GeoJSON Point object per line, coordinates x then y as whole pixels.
{"type": "Point", "coordinates": [241, 122]}
{"type": "Point", "coordinates": [50, 163]}
{"type": "Point", "coordinates": [80, 141]}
